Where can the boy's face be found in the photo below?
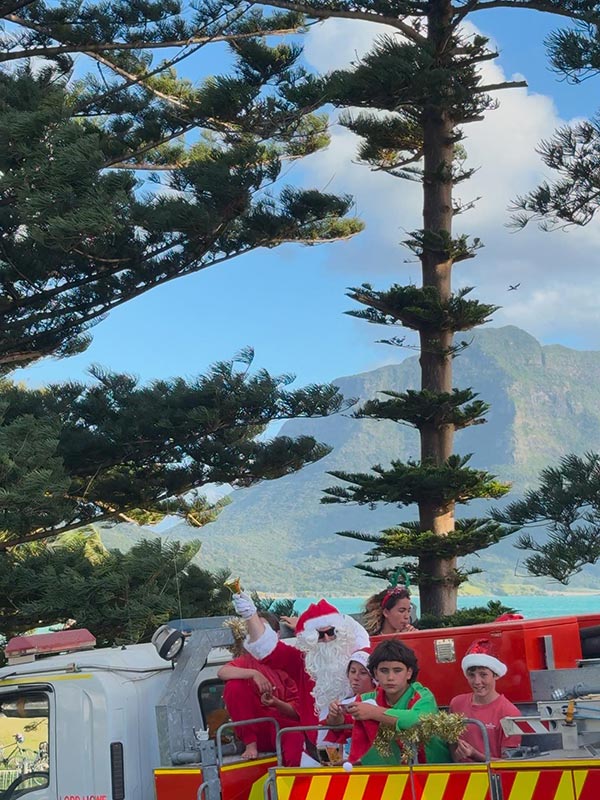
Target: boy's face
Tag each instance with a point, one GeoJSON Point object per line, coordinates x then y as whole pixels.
{"type": "Point", "coordinates": [483, 684]}
{"type": "Point", "coordinates": [359, 678]}
{"type": "Point", "coordinates": [393, 677]}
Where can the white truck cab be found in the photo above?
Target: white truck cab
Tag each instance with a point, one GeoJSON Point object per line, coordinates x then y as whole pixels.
{"type": "Point", "coordinates": [87, 724]}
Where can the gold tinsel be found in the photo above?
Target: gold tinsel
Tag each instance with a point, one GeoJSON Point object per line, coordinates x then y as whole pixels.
{"type": "Point", "coordinates": [237, 627]}
{"type": "Point", "coordinates": [383, 740]}
{"type": "Point", "coordinates": [448, 727]}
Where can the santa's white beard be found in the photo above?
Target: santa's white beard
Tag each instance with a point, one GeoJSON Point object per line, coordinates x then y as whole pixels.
{"type": "Point", "coordinates": [326, 663]}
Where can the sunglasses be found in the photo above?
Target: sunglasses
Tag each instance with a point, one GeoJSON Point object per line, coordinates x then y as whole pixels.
{"type": "Point", "coordinates": [330, 632]}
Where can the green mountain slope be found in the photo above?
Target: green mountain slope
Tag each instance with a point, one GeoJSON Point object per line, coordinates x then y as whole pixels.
{"type": "Point", "coordinates": [279, 537]}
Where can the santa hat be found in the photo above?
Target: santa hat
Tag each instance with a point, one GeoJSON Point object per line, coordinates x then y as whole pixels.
{"type": "Point", "coordinates": [319, 615]}
{"type": "Point", "coordinates": [481, 654]}
{"type": "Point", "coordinates": [361, 657]}
{"type": "Point", "coordinates": [509, 617]}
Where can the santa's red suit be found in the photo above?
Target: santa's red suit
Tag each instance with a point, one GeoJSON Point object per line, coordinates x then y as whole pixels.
{"type": "Point", "coordinates": [319, 681]}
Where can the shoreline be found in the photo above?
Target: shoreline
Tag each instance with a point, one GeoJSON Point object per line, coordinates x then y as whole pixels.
{"type": "Point", "coordinates": [469, 595]}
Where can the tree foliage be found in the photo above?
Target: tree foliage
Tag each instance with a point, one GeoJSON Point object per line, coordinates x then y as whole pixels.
{"type": "Point", "coordinates": [567, 504]}
{"type": "Point", "coordinates": [119, 179]}
{"type": "Point", "coordinates": [76, 453]}
{"type": "Point", "coordinates": [409, 100]}
{"type": "Point", "coordinates": [119, 597]}
{"type": "Point", "coordinates": [476, 615]}
{"type": "Point", "coordinates": [573, 152]}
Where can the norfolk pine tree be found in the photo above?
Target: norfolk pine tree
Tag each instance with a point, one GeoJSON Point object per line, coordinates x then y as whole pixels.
{"type": "Point", "coordinates": [566, 503]}
{"type": "Point", "coordinates": [74, 454]}
{"type": "Point", "coordinates": [120, 597]}
{"type": "Point", "coordinates": [119, 179]}
{"type": "Point", "coordinates": [410, 99]}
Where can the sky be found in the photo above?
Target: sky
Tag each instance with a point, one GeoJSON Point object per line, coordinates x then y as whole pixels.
{"type": "Point", "coordinates": [289, 303]}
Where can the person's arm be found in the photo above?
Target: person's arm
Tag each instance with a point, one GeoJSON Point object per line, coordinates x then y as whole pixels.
{"type": "Point", "coordinates": [229, 672]}
{"type": "Point", "coordinates": [462, 751]}
{"type": "Point", "coordinates": [364, 711]}
{"type": "Point", "coordinates": [244, 605]}
{"type": "Point", "coordinates": [400, 718]}
{"type": "Point", "coordinates": [269, 699]}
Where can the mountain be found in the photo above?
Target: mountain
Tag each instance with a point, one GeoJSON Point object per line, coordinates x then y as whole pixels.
{"type": "Point", "coordinates": [280, 539]}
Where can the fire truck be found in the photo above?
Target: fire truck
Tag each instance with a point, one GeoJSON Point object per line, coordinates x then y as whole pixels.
{"type": "Point", "coordinates": [147, 721]}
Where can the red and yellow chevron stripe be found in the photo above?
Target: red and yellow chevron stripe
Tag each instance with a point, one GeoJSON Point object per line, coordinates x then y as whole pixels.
{"type": "Point", "coordinates": [385, 783]}
{"type": "Point", "coordinates": [557, 780]}
{"type": "Point", "coordinates": [565, 780]}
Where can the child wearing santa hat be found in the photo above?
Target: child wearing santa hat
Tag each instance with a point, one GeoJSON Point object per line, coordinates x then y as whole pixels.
{"type": "Point", "coordinates": [482, 668]}
{"type": "Point", "coordinates": [361, 682]}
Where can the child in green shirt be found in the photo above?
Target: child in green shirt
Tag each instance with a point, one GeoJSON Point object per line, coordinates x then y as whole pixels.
{"type": "Point", "coordinates": [397, 704]}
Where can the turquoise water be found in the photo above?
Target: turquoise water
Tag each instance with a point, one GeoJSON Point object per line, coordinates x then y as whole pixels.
{"type": "Point", "coordinates": [531, 606]}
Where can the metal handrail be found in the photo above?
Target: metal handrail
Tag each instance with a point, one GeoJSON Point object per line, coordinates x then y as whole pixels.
{"type": "Point", "coordinates": [303, 728]}
{"type": "Point", "coordinates": [200, 794]}
{"type": "Point", "coordinates": [226, 725]}
{"type": "Point", "coordinates": [486, 739]}
{"type": "Point", "coordinates": [268, 785]}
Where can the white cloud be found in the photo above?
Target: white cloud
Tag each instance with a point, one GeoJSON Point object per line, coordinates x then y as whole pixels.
{"type": "Point", "coordinates": [559, 283]}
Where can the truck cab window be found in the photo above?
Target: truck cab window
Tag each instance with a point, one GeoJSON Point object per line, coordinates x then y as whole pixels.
{"type": "Point", "coordinates": [212, 706]}
{"type": "Point", "coordinates": [24, 754]}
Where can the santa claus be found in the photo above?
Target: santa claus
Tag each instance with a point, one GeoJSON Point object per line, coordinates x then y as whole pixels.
{"type": "Point", "coordinates": [325, 639]}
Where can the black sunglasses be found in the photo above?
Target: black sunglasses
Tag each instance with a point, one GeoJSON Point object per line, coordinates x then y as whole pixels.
{"type": "Point", "coordinates": [327, 632]}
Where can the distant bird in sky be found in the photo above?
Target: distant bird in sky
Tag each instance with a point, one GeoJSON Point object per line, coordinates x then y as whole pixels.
{"type": "Point", "coordinates": [512, 287]}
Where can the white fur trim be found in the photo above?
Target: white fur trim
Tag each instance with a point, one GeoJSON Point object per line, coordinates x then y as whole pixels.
{"type": "Point", "coordinates": [263, 646]}
{"type": "Point", "coordinates": [307, 639]}
{"type": "Point", "coordinates": [361, 657]}
{"type": "Point", "coordinates": [326, 621]}
{"type": "Point", "coordinates": [361, 636]}
{"type": "Point", "coordinates": [483, 660]}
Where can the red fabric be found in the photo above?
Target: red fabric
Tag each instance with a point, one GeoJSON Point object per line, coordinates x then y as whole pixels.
{"type": "Point", "coordinates": [315, 611]}
{"type": "Point", "coordinates": [291, 661]}
{"type": "Point", "coordinates": [242, 699]}
{"type": "Point", "coordinates": [490, 715]}
{"type": "Point", "coordinates": [481, 647]}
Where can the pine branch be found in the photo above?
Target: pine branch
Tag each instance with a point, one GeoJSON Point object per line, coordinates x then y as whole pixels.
{"type": "Point", "coordinates": [90, 48]}
{"type": "Point", "coordinates": [333, 13]}
{"type": "Point", "coordinates": [140, 79]}
{"type": "Point", "coordinates": [557, 7]}
{"type": "Point", "coordinates": [494, 87]}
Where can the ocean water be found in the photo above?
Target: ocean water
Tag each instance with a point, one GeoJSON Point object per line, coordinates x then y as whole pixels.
{"type": "Point", "coordinates": [531, 606]}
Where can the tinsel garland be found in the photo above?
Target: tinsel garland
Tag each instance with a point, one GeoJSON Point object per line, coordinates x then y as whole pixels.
{"type": "Point", "coordinates": [383, 740]}
{"type": "Point", "coordinates": [237, 627]}
{"type": "Point", "coordinates": [448, 727]}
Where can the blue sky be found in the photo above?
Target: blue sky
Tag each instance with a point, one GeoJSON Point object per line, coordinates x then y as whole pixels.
{"type": "Point", "coordinates": [288, 303]}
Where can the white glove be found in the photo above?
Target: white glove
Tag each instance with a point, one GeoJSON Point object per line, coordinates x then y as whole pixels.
{"type": "Point", "coordinates": [244, 605]}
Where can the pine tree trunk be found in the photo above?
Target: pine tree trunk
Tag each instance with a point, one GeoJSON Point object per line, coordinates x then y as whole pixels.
{"type": "Point", "coordinates": [438, 591]}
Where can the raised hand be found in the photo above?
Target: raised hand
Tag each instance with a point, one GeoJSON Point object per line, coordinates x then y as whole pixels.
{"type": "Point", "coordinates": [244, 605]}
